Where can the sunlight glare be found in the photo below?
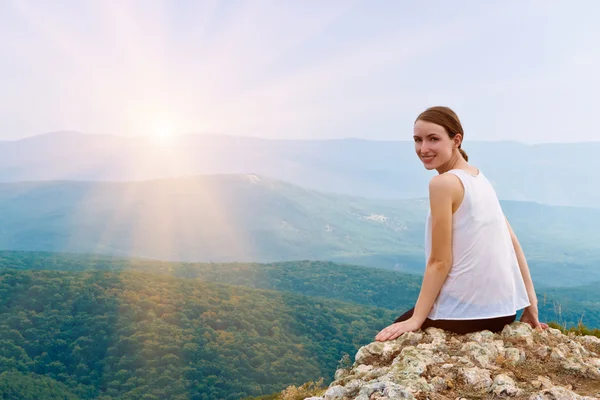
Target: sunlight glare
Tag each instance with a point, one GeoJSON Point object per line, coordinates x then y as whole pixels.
{"type": "Point", "coordinates": [163, 130]}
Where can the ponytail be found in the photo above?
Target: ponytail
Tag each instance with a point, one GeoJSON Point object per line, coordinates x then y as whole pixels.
{"type": "Point", "coordinates": [464, 154]}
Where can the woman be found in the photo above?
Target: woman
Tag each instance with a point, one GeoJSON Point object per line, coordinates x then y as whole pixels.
{"type": "Point", "coordinates": [476, 276]}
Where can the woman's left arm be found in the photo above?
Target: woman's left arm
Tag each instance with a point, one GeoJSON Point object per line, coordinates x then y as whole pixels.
{"type": "Point", "coordinates": [443, 190]}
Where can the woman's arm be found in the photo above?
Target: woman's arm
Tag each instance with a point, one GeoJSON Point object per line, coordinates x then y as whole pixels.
{"type": "Point", "coordinates": [523, 266]}
{"type": "Point", "coordinates": [530, 314]}
{"type": "Point", "coordinates": [444, 190]}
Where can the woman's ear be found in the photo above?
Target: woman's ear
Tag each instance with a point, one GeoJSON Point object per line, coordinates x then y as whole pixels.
{"type": "Point", "coordinates": [457, 140]}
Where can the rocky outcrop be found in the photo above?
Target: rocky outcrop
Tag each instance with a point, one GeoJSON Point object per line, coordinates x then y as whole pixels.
{"type": "Point", "coordinates": [518, 363]}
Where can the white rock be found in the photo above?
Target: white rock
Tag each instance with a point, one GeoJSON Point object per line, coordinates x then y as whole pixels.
{"type": "Point", "coordinates": [438, 383]}
{"type": "Point", "coordinates": [335, 393]}
{"type": "Point", "coordinates": [556, 393]}
{"type": "Point", "coordinates": [375, 373]}
{"type": "Point", "coordinates": [415, 361]}
{"type": "Point", "coordinates": [504, 385]}
{"type": "Point", "coordinates": [519, 330]}
{"type": "Point", "coordinates": [352, 388]}
{"type": "Point", "coordinates": [370, 388]}
{"type": "Point", "coordinates": [483, 353]}
{"type": "Point", "coordinates": [542, 351]}
{"type": "Point", "coordinates": [482, 337]}
{"type": "Point", "coordinates": [588, 339]}
{"type": "Point", "coordinates": [558, 354]}
{"type": "Point", "coordinates": [395, 391]}
{"type": "Point", "coordinates": [341, 373]}
{"type": "Point", "coordinates": [545, 382]}
{"type": "Point", "coordinates": [552, 332]}
{"type": "Point", "coordinates": [384, 352]}
{"type": "Point", "coordinates": [477, 377]}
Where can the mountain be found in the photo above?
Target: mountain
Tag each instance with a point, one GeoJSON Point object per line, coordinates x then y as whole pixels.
{"type": "Point", "coordinates": [557, 174]}
{"type": "Point", "coordinates": [228, 218]}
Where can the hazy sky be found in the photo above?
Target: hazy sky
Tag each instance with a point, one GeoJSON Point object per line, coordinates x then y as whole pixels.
{"type": "Point", "coordinates": [513, 70]}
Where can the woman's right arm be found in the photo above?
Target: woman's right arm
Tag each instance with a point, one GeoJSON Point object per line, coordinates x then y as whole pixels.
{"type": "Point", "coordinates": [530, 314]}
{"type": "Point", "coordinates": [523, 266]}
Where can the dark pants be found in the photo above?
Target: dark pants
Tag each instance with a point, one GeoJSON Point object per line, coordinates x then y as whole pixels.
{"type": "Point", "coordinates": [462, 326]}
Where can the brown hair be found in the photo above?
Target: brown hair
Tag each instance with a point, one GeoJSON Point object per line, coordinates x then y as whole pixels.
{"type": "Point", "coordinates": [446, 118]}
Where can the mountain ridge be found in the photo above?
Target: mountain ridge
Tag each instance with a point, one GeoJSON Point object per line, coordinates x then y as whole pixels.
{"type": "Point", "coordinates": [229, 218]}
{"type": "Point", "coordinates": [547, 173]}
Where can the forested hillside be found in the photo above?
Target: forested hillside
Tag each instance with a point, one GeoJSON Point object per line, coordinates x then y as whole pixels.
{"type": "Point", "coordinates": [132, 335]}
{"type": "Point", "coordinates": [348, 283]}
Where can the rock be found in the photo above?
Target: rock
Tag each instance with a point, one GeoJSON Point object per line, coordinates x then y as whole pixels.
{"type": "Point", "coordinates": [482, 337]}
{"type": "Point", "coordinates": [335, 393]}
{"type": "Point", "coordinates": [439, 384]}
{"type": "Point", "coordinates": [375, 373]}
{"type": "Point", "coordinates": [479, 378]}
{"type": "Point", "coordinates": [386, 351]}
{"type": "Point", "coordinates": [542, 351]}
{"type": "Point", "coordinates": [558, 393]}
{"type": "Point", "coordinates": [438, 339]}
{"type": "Point", "coordinates": [394, 391]}
{"type": "Point", "coordinates": [545, 382]}
{"type": "Point", "coordinates": [520, 331]}
{"type": "Point", "coordinates": [341, 373]}
{"type": "Point", "coordinates": [504, 385]}
{"type": "Point", "coordinates": [590, 340]}
{"type": "Point", "coordinates": [434, 364]}
{"type": "Point", "coordinates": [352, 388]}
{"type": "Point", "coordinates": [558, 353]}
{"type": "Point", "coordinates": [415, 361]}
{"type": "Point", "coordinates": [368, 389]}
{"type": "Point", "coordinates": [484, 354]}
{"type": "Point", "coordinates": [514, 356]}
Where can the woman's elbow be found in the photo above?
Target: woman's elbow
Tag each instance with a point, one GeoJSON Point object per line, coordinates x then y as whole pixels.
{"type": "Point", "coordinates": [440, 264]}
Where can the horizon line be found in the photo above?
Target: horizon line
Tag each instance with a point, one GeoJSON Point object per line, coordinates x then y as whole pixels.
{"type": "Point", "coordinates": [176, 137]}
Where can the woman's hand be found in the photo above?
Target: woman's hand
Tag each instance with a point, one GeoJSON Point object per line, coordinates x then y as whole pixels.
{"type": "Point", "coordinates": [530, 316]}
{"type": "Point", "coordinates": [397, 329]}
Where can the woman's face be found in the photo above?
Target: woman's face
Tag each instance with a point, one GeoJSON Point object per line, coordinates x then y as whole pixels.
{"type": "Point", "coordinates": [432, 144]}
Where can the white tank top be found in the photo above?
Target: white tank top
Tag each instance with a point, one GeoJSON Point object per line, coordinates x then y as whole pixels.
{"type": "Point", "coordinates": [485, 280]}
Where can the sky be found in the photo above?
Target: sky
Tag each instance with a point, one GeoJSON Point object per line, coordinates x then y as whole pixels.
{"type": "Point", "coordinates": [525, 71]}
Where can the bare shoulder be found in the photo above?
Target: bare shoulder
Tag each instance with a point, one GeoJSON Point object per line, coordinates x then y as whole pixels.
{"type": "Point", "coordinates": [445, 183]}
{"type": "Point", "coordinates": [446, 189]}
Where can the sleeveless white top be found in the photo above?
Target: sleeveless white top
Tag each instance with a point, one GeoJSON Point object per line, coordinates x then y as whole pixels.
{"type": "Point", "coordinates": [485, 280]}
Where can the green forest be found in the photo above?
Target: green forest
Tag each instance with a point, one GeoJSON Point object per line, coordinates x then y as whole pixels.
{"type": "Point", "coordinates": [87, 327]}
{"type": "Point", "coordinates": [349, 283]}
{"type": "Point", "coordinates": [132, 335]}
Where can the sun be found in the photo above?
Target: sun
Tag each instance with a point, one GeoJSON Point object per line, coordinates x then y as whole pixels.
{"type": "Point", "coordinates": [163, 130]}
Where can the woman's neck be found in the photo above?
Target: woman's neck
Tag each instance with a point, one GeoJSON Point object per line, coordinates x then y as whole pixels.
{"type": "Point", "coordinates": [456, 162]}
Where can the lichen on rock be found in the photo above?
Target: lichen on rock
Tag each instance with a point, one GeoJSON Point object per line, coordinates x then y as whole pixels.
{"type": "Point", "coordinates": [518, 363]}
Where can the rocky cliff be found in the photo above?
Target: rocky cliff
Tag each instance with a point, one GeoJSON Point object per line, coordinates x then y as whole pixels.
{"type": "Point", "coordinates": [518, 363]}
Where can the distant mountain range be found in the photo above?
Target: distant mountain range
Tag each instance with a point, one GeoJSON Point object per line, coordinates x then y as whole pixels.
{"type": "Point", "coordinates": [230, 218]}
{"type": "Point", "coordinates": [556, 174]}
